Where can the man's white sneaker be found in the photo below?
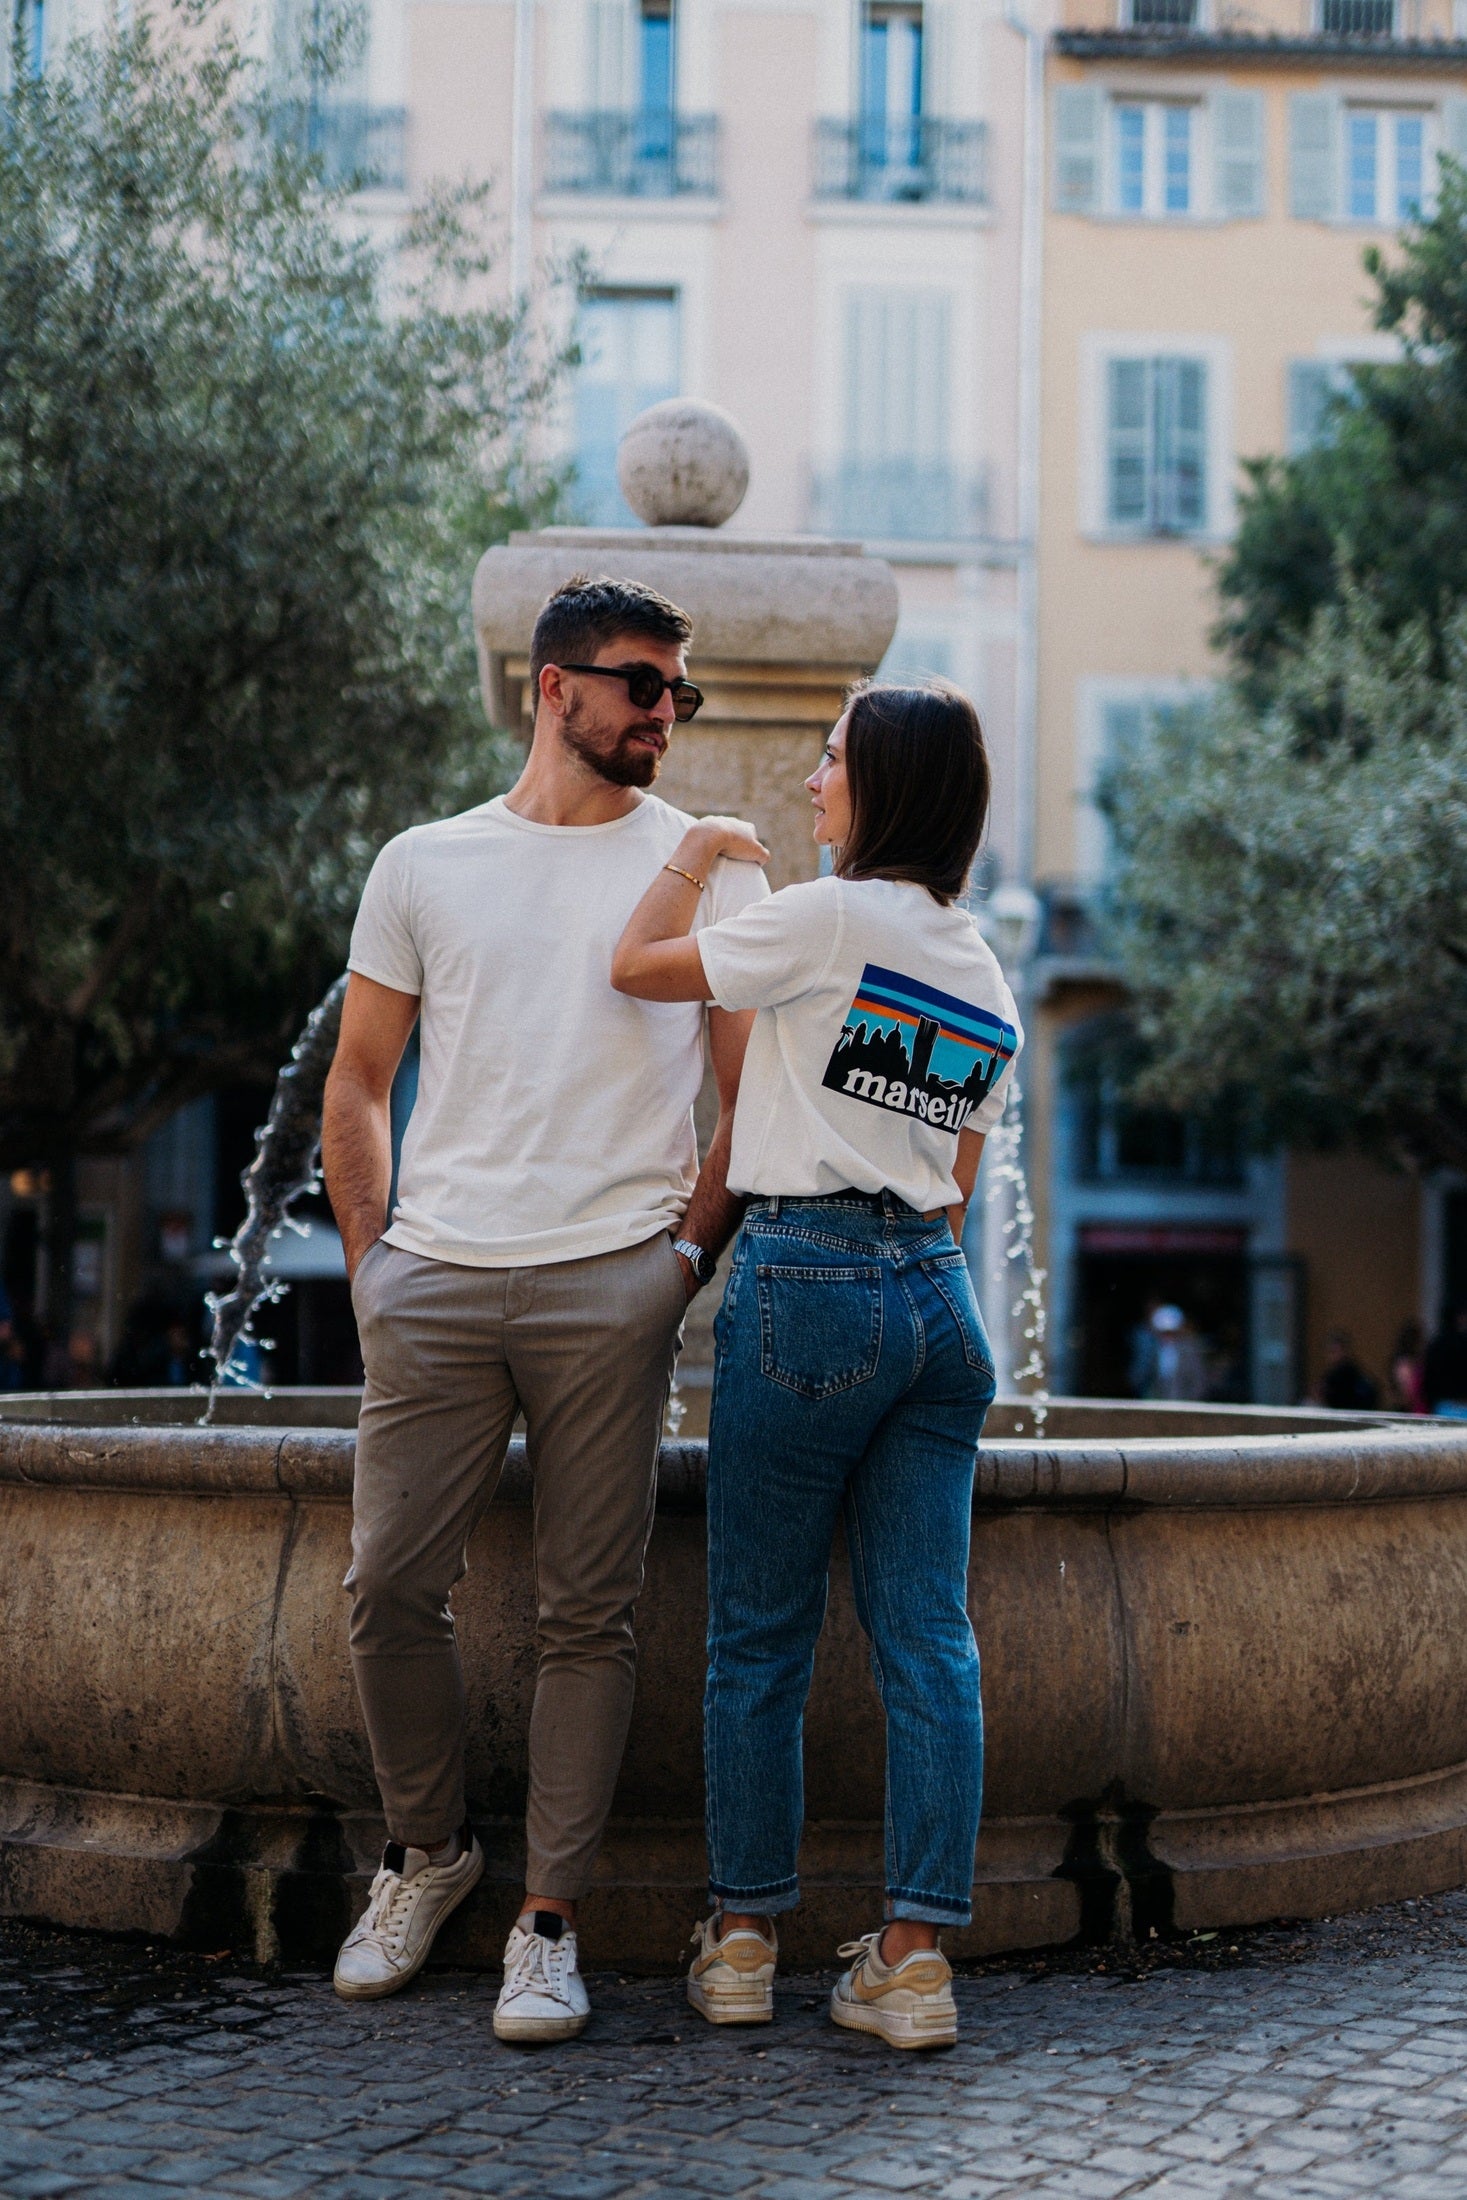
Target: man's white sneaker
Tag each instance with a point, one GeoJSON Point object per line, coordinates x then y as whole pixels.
{"type": "Point", "coordinates": [731, 1978]}
{"type": "Point", "coordinates": [908, 2004]}
{"type": "Point", "coordinates": [543, 1996]}
{"type": "Point", "coordinates": [410, 1898]}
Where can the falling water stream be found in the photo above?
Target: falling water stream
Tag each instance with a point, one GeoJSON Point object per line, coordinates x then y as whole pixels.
{"type": "Point", "coordinates": [1006, 1187]}
{"type": "Point", "coordinates": [285, 1167]}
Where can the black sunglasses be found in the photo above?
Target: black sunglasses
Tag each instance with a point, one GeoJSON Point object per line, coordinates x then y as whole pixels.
{"type": "Point", "coordinates": [645, 685]}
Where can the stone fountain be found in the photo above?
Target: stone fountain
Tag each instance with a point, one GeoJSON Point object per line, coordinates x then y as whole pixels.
{"type": "Point", "coordinates": [1222, 1645]}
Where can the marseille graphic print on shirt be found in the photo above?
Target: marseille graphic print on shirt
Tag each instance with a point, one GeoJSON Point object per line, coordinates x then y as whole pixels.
{"type": "Point", "coordinates": [910, 1049]}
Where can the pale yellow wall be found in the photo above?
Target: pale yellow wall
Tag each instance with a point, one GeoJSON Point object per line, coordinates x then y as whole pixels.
{"type": "Point", "coordinates": [1269, 290]}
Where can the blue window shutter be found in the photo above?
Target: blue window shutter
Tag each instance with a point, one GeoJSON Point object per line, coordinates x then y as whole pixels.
{"type": "Point", "coordinates": [1314, 160]}
{"type": "Point", "coordinates": [1077, 132]}
{"type": "Point", "coordinates": [1238, 154]}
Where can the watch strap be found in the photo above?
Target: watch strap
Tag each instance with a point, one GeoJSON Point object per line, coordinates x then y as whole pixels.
{"type": "Point", "coordinates": [700, 1261]}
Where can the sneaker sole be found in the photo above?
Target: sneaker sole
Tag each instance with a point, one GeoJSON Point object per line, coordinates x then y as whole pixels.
{"type": "Point", "coordinates": [751, 2004]}
{"type": "Point", "coordinates": [898, 2027]}
{"type": "Point", "coordinates": [349, 1990]}
{"type": "Point", "coordinates": [528, 2031]}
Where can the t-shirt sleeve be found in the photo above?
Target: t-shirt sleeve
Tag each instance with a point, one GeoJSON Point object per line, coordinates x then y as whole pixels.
{"type": "Point", "coordinates": [382, 943]}
{"type": "Point", "coordinates": [732, 886]}
{"type": "Point", "coordinates": [774, 950]}
{"type": "Point", "coordinates": [990, 1110]}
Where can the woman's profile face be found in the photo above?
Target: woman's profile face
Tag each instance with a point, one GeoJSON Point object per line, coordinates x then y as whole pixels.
{"type": "Point", "coordinates": [830, 791]}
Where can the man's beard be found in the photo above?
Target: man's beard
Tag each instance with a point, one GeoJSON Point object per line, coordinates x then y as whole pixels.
{"type": "Point", "coordinates": [613, 757]}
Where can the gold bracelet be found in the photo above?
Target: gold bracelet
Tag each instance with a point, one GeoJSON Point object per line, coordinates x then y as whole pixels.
{"type": "Point", "coordinates": [699, 883]}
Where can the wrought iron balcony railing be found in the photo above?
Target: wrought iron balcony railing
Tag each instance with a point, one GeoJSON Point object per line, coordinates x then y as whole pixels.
{"type": "Point", "coordinates": [355, 143]}
{"type": "Point", "coordinates": [1171, 15]}
{"type": "Point", "coordinates": [899, 500]}
{"type": "Point", "coordinates": [632, 155]}
{"type": "Point", "coordinates": [1358, 18]}
{"type": "Point", "coordinates": [925, 158]}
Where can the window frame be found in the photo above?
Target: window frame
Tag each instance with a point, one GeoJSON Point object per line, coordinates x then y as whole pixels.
{"type": "Point", "coordinates": [1388, 213]}
{"type": "Point", "coordinates": [1156, 110]}
{"type": "Point", "coordinates": [1098, 348]}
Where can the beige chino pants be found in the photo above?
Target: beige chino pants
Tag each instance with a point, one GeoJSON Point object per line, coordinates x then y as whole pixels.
{"type": "Point", "coordinates": [586, 1348]}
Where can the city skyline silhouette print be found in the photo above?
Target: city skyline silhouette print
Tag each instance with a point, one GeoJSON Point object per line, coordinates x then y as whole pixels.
{"type": "Point", "coordinates": [910, 1050]}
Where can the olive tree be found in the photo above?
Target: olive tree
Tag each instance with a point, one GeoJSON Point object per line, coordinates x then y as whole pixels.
{"type": "Point", "coordinates": [247, 460]}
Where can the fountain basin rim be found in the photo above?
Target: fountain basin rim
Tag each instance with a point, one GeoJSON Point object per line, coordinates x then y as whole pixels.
{"type": "Point", "coordinates": [1389, 1462]}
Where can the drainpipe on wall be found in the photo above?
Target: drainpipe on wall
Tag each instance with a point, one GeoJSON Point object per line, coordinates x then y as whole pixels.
{"type": "Point", "coordinates": [522, 153]}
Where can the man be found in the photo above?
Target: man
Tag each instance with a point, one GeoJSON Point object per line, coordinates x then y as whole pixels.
{"type": "Point", "coordinates": [530, 1265]}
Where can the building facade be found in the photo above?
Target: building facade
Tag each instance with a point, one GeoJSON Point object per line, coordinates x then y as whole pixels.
{"type": "Point", "coordinates": [1212, 179]}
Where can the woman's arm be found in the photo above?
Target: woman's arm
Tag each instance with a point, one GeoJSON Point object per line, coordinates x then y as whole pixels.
{"type": "Point", "coordinates": [965, 1175]}
{"type": "Point", "coordinates": [654, 959]}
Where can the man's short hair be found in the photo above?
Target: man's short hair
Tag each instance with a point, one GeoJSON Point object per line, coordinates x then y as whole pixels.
{"type": "Point", "coordinates": [585, 614]}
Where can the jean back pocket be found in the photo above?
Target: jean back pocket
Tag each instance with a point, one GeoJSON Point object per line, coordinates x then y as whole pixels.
{"type": "Point", "coordinates": [819, 1328]}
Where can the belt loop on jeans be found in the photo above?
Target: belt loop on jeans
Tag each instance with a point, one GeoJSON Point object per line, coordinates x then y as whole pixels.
{"type": "Point", "coordinates": [774, 1204]}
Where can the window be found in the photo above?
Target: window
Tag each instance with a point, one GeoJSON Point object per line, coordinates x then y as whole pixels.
{"type": "Point", "coordinates": [1312, 385]}
{"type": "Point", "coordinates": [1385, 165]}
{"type": "Point", "coordinates": [1153, 157]}
{"type": "Point", "coordinates": [629, 345]}
{"type": "Point", "coordinates": [891, 85]}
{"type": "Point", "coordinates": [1156, 446]}
{"type": "Point", "coordinates": [30, 31]}
{"type": "Point", "coordinates": [1168, 15]}
{"type": "Point", "coordinates": [1120, 1141]}
{"type": "Point", "coordinates": [656, 74]}
{"type": "Point", "coordinates": [895, 480]}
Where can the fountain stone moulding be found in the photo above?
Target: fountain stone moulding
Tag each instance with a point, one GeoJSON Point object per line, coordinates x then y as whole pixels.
{"type": "Point", "coordinates": [1223, 1677]}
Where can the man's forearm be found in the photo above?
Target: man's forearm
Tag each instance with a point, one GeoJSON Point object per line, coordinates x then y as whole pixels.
{"type": "Point", "coordinates": [356, 1158]}
{"type": "Point", "coordinates": [714, 1212]}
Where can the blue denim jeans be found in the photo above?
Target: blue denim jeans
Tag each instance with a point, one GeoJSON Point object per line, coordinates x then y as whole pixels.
{"type": "Point", "coordinates": [852, 1377]}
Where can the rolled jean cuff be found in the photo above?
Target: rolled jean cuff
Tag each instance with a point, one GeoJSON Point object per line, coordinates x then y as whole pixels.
{"type": "Point", "coordinates": [928, 1909]}
{"type": "Point", "coordinates": [765, 1901]}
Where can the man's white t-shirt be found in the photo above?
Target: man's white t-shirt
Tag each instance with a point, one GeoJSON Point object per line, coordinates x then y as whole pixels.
{"type": "Point", "coordinates": [884, 1028]}
{"type": "Point", "coordinates": [554, 1115]}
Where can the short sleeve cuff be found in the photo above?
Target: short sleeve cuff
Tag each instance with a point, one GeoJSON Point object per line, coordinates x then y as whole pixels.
{"type": "Point", "coordinates": [710, 948]}
{"type": "Point", "coordinates": [395, 981]}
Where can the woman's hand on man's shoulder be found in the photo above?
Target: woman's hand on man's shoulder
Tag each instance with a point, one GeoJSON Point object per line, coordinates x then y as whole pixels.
{"type": "Point", "coordinates": [727, 836]}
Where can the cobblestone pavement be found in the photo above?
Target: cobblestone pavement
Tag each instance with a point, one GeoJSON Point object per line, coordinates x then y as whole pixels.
{"type": "Point", "coordinates": [1315, 2060]}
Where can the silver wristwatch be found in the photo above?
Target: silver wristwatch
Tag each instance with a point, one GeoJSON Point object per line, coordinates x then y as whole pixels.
{"type": "Point", "coordinates": [703, 1265]}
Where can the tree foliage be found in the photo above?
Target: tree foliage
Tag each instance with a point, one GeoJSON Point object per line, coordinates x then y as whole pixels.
{"type": "Point", "coordinates": [1290, 895]}
{"type": "Point", "coordinates": [246, 463]}
{"type": "Point", "coordinates": [1291, 909]}
{"type": "Point", "coordinates": [1382, 499]}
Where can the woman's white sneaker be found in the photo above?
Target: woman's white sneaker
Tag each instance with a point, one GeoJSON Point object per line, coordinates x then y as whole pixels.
{"type": "Point", "coordinates": [543, 1997]}
{"type": "Point", "coordinates": [731, 1978]}
{"type": "Point", "coordinates": [908, 2004]}
{"type": "Point", "coordinates": [410, 1899]}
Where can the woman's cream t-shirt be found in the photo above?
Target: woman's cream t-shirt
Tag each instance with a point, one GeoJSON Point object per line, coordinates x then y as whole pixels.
{"type": "Point", "coordinates": [884, 1028]}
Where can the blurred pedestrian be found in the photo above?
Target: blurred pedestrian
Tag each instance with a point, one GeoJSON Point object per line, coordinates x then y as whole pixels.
{"type": "Point", "coordinates": [1406, 1388]}
{"type": "Point", "coordinates": [1179, 1369]}
{"type": "Point", "coordinates": [1141, 1352]}
{"type": "Point", "coordinates": [1444, 1376]}
{"type": "Point", "coordinates": [1344, 1386]}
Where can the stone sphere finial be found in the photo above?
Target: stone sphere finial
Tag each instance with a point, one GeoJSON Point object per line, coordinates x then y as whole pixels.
{"type": "Point", "coordinates": [683, 464]}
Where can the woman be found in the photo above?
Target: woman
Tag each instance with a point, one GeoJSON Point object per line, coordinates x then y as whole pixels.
{"type": "Point", "coordinates": [853, 1374]}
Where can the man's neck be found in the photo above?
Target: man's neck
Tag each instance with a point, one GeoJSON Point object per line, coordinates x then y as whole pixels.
{"type": "Point", "coordinates": [559, 789]}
